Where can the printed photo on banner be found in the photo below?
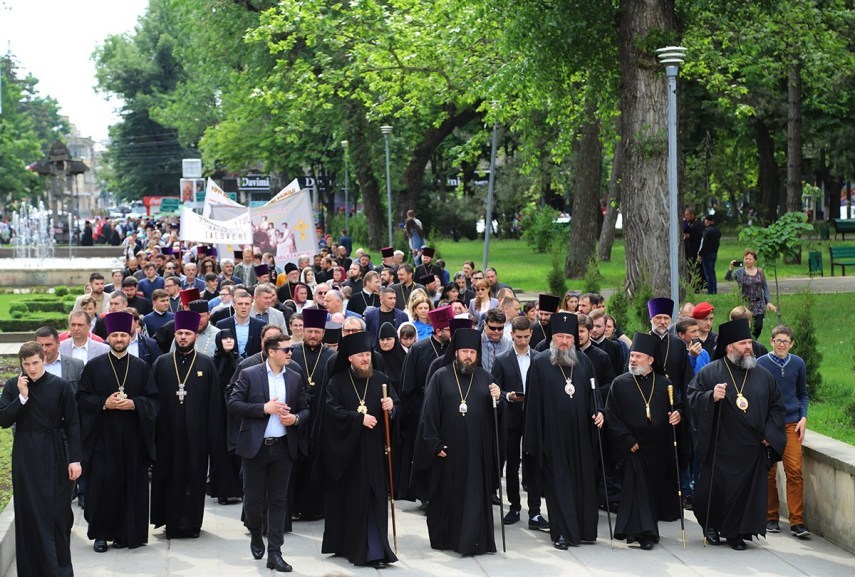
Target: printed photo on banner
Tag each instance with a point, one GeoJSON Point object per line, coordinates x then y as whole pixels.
{"type": "Point", "coordinates": [191, 188]}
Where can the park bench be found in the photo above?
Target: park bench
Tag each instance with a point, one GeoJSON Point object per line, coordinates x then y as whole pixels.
{"type": "Point", "coordinates": [842, 256]}
{"type": "Point", "coordinates": [843, 226]}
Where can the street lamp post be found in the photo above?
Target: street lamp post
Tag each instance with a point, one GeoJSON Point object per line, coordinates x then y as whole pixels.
{"type": "Point", "coordinates": [488, 219]}
{"type": "Point", "coordinates": [387, 131]}
{"type": "Point", "coordinates": [672, 57]}
{"type": "Point", "coordinates": [344, 145]}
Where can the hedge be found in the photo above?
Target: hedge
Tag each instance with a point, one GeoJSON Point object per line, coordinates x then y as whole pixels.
{"type": "Point", "coordinates": [50, 306]}
{"type": "Point", "coordinates": [60, 323]}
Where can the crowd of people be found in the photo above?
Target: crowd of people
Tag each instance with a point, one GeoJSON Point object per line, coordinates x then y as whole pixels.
{"type": "Point", "coordinates": [192, 375]}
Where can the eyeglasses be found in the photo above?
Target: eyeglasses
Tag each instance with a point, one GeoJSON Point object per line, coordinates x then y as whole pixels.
{"type": "Point", "coordinates": [350, 331]}
{"type": "Point", "coordinates": [782, 342]}
{"type": "Point", "coordinates": [494, 328]}
{"type": "Point", "coordinates": [286, 350]}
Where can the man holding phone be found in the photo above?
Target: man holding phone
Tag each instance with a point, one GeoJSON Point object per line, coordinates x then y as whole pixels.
{"type": "Point", "coordinates": [46, 459]}
{"type": "Point", "coordinates": [688, 330]}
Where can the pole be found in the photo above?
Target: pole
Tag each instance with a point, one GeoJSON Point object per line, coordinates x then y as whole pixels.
{"type": "Point", "coordinates": [344, 145]}
{"type": "Point", "coordinates": [596, 395]}
{"type": "Point", "coordinates": [488, 219]}
{"type": "Point", "coordinates": [499, 469]}
{"type": "Point", "coordinates": [677, 462]}
{"type": "Point", "coordinates": [387, 131]}
{"type": "Point", "coordinates": [712, 471]}
{"type": "Point", "coordinates": [673, 231]}
{"type": "Point", "coordinates": [391, 482]}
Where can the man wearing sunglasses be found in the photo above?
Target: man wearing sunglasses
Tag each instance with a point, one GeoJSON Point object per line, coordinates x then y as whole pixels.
{"type": "Point", "coordinates": [493, 339]}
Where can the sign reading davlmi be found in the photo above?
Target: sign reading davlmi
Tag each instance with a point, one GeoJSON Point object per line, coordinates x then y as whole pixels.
{"type": "Point", "coordinates": [254, 183]}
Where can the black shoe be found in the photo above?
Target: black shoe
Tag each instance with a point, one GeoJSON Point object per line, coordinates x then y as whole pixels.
{"type": "Point", "coordinates": [222, 501]}
{"type": "Point", "coordinates": [495, 500]}
{"type": "Point", "coordinates": [736, 543]}
{"type": "Point", "coordinates": [713, 538]}
{"type": "Point", "coordinates": [538, 523]}
{"type": "Point", "coordinates": [799, 531]}
{"type": "Point", "coordinates": [561, 544]}
{"type": "Point", "coordinates": [511, 517]}
{"type": "Point", "coordinates": [100, 546]}
{"type": "Point", "coordinates": [645, 544]}
{"type": "Point", "coordinates": [275, 561]}
{"type": "Point", "coordinates": [377, 564]}
{"type": "Point", "coordinates": [256, 545]}
{"type": "Point", "coordinates": [118, 545]}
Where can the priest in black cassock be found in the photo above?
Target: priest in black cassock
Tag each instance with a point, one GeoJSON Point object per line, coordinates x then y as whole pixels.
{"type": "Point", "coordinates": [45, 463]}
{"type": "Point", "coordinates": [738, 416]}
{"type": "Point", "coordinates": [641, 425]}
{"type": "Point", "coordinates": [190, 433]}
{"type": "Point", "coordinates": [547, 305]}
{"type": "Point", "coordinates": [413, 380]}
{"type": "Point", "coordinates": [672, 358]}
{"type": "Point", "coordinates": [561, 413]}
{"type": "Point", "coordinates": [307, 479]}
{"type": "Point", "coordinates": [354, 433]}
{"type": "Point", "coordinates": [455, 467]}
{"type": "Point", "coordinates": [118, 403]}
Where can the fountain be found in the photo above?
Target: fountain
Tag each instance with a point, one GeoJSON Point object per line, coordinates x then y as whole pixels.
{"type": "Point", "coordinates": [34, 262]}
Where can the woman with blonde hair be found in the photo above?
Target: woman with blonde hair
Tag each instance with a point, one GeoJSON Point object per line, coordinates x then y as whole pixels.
{"type": "Point", "coordinates": [418, 309]}
{"type": "Point", "coordinates": [482, 302]}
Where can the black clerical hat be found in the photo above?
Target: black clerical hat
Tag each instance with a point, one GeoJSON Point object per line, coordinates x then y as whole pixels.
{"type": "Point", "coordinates": [731, 332]}
{"type": "Point", "coordinates": [314, 318]}
{"type": "Point", "coordinates": [566, 323]}
{"type": "Point", "coordinates": [198, 306]}
{"type": "Point", "coordinates": [387, 251]}
{"type": "Point", "coordinates": [290, 267]}
{"type": "Point", "coordinates": [427, 279]}
{"type": "Point", "coordinates": [548, 303]}
{"type": "Point", "coordinates": [387, 331]}
{"type": "Point", "coordinates": [644, 343]}
{"type": "Point", "coordinates": [428, 251]}
{"type": "Point", "coordinates": [332, 332]}
{"type": "Point", "coordinates": [463, 339]}
{"type": "Point", "coordinates": [461, 322]}
{"type": "Point", "coordinates": [261, 270]}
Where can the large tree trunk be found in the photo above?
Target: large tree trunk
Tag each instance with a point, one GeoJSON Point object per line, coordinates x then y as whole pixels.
{"type": "Point", "coordinates": [767, 173]}
{"type": "Point", "coordinates": [607, 234]}
{"type": "Point", "coordinates": [794, 137]}
{"type": "Point", "coordinates": [586, 198]}
{"type": "Point", "coordinates": [414, 174]}
{"type": "Point", "coordinates": [362, 156]}
{"type": "Point", "coordinates": [643, 106]}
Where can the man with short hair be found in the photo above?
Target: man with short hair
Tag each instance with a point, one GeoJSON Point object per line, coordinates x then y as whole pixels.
{"type": "Point", "coordinates": [118, 404]}
{"type": "Point", "coordinates": [368, 297]}
{"type": "Point", "coordinates": [190, 434]}
{"type": "Point", "coordinates": [334, 303]}
{"type": "Point", "coordinates": [142, 346]}
{"type": "Point", "coordinates": [172, 286]}
{"type": "Point", "coordinates": [386, 313]}
{"type": "Point", "coordinates": [245, 270]}
{"type": "Point", "coordinates": [227, 267]}
{"type": "Point", "coordinates": [790, 374]}
{"type": "Point", "coordinates": [160, 314]}
{"type": "Point", "coordinates": [354, 277]}
{"type": "Point", "coordinates": [493, 339]}
{"type": "Point", "coordinates": [560, 434]}
{"type": "Point", "coordinates": [263, 307]}
{"type": "Point", "coordinates": [212, 286]}
{"type": "Point", "coordinates": [130, 286]}
{"type": "Point", "coordinates": [388, 276]}
{"type": "Point", "coordinates": [708, 252]}
{"type": "Point", "coordinates": [96, 283]}
{"type": "Point", "coordinates": [405, 286]}
{"type": "Point", "coordinates": [456, 462]}
{"type": "Point", "coordinates": [79, 345]}
{"type": "Point", "coordinates": [687, 329]}
{"type": "Point", "coordinates": [738, 420]}
{"type": "Point", "coordinates": [118, 300]}
{"type": "Point", "coordinates": [190, 280]}
{"type": "Point", "coordinates": [511, 307]}
{"type": "Point", "coordinates": [492, 278]}
{"type": "Point", "coordinates": [587, 303]}
{"type": "Point", "coordinates": [247, 330]}
{"type": "Point", "coordinates": [150, 282]}
{"type": "Point", "coordinates": [44, 467]}
{"type": "Point", "coordinates": [67, 368]}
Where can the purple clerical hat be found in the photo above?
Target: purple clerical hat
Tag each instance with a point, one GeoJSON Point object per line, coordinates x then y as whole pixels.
{"type": "Point", "coordinates": [186, 321]}
{"type": "Point", "coordinates": [118, 322]}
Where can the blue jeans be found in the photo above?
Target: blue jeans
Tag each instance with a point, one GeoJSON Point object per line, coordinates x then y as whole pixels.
{"type": "Point", "coordinates": [708, 267]}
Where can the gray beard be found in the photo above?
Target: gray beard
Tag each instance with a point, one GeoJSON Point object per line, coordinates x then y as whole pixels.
{"type": "Point", "coordinates": [362, 373]}
{"type": "Point", "coordinates": [661, 331]}
{"type": "Point", "coordinates": [464, 369]}
{"type": "Point", "coordinates": [636, 371]}
{"type": "Point", "coordinates": [741, 362]}
{"type": "Point", "coordinates": [561, 358]}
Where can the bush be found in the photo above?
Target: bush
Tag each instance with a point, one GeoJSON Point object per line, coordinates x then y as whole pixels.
{"type": "Point", "coordinates": [60, 323]}
{"type": "Point", "coordinates": [50, 306]}
{"type": "Point", "coordinates": [805, 344]}
{"type": "Point", "coordinates": [618, 308]}
{"type": "Point", "coordinates": [556, 279]}
{"type": "Point", "coordinates": [18, 310]}
{"type": "Point", "coordinates": [357, 228]}
{"type": "Point", "coordinates": [539, 229]}
{"type": "Point", "coordinates": [61, 291]}
{"type": "Point", "coordinates": [639, 303]}
{"type": "Point", "coordinates": [593, 279]}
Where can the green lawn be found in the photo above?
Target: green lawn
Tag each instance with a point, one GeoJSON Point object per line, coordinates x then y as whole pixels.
{"type": "Point", "coordinates": [525, 269]}
{"type": "Point", "coordinates": [5, 457]}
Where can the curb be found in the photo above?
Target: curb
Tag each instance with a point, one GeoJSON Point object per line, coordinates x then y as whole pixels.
{"type": "Point", "coordinates": [7, 537]}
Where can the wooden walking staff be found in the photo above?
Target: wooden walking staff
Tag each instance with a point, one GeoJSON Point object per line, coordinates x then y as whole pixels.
{"type": "Point", "coordinates": [499, 469]}
{"type": "Point", "coordinates": [391, 482]}
{"type": "Point", "coordinates": [677, 462]}
{"type": "Point", "coordinates": [596, 394]}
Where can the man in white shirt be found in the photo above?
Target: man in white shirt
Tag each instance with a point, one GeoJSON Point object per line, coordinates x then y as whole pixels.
{"type": "Point", "coordinates": [79, 346]}
{"type": "Point", "coordinates": [65, 368]}
{"type": "Point", "coordinates": [262, 307]}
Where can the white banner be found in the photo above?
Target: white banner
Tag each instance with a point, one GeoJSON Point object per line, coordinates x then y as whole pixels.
{"type": "Point", "coordinates": [196, 228]}
{"type": "Point", "coordinates": [285, 227]}
{"type": "Point", "coordinates": [214, 196]}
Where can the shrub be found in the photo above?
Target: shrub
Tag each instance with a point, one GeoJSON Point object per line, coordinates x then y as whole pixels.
{"type": "Point", "coordinates": [556, 279]}
{"type": "Point", "coordinates": [31, 324]}
{"type": "Point", "coordinates": [50, 306]}
{"type": "Point", "coordinates": [593, 279]}
{"type": "Point", "coordinates": [18, 310]}
{"type": "Point", "coordinates": [639, 303]}
{"type": "Point", "coordinates": [805, 343]}
{"type": "Point", "coordinates": [539, 229]}
{"type": "Point", "coordinates": [61, 291]}
{"type": "Point", "coordinates": [618, 307]}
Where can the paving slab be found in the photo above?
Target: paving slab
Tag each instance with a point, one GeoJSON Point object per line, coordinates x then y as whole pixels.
{"type": "Point", "coordinates": [223, 550]}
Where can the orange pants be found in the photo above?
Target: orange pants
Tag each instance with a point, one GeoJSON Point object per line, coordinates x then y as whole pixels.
{"type": "Point", "coordinates": [792, 460]}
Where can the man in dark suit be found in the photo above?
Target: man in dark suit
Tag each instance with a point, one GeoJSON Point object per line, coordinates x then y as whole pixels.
{"type": "Point", "coordinates": [63, 367]}
{"type": "Point", "coordinates": [141, 346]}
{"type": "Point", "coordinates": [375, 317]}
{"type": "Point", "coordinates": [271, 402]}
{"type": "Point", "coordinates": [246, 329]}
{"type": "Point", "coordinates": [510, 369]}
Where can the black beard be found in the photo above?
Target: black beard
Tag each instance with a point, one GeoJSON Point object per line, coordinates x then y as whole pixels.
{"type": "Point", "coordinates": [464, 368]}
{"type": "Point", "coordinates": [366, 373]}
{"type": "Point", "coordinates": [184, 350]}
{"type": "Point", "coordinates": [743, 362]}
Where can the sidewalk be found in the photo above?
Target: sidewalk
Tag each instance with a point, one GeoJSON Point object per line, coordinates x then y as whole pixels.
{"type": "Point", "coordinates": [223, 550]}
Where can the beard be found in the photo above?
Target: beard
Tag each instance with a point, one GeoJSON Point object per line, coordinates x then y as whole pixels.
{"type": "Point", "coordinates": [745, 362]}
{"type": "Point", "coordinates": [636, 371]}
{"type": "Point", "coordinates": [561, 358]}
{"type": "Point", "coordinates": [661, 331]}
{"type": "Point", "coordinates": [184, 349]}
{"type": "Point", "coordinates": [465, 367]}
{"type": "Point", "coordinates": [360, 373]}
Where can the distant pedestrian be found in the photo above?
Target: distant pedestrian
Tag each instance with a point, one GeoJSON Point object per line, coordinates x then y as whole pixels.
{"type": "Point", "coordinates": [708, 252]}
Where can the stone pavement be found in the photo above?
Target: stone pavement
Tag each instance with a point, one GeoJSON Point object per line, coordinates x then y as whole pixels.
{"type": "Point", "coordinates": [223, 550]}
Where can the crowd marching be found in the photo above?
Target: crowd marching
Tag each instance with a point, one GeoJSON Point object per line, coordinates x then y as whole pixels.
{"type": "Point", "coordinates": [326, 388]}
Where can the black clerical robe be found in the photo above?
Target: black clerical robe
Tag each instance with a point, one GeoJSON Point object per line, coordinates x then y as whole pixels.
{"type": "Point", "coordinates": [308, 489]}
{"type": "Point", "coordinates": [460, 485]}
{"type": "Point", "coordinates": [118, 447]}
{"type": "Point", "coordinates": [413, 380]}
{"type": "Point", "coordinates": [231, 482]}
{"type": "Point", "coordinates": [560, 436]}
{"type": "Point", "coordinates": [729, 442]}
{"type": "Point", "coordinates": [47, 439]}
{"type": "Point", "coordinates": [650, 478]}
{"type": "Point", "coordinates": [672, 360]}
{"type": "Point", "coordinates": [539, 334]}
{"type": "Point", "coordinates": [190, 437]}
{"type": "Point", "coordinates": [355, 522]}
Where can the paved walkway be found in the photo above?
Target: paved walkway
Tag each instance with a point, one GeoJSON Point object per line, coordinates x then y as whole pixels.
{"type": "Point", "coordinates": [223, 550]}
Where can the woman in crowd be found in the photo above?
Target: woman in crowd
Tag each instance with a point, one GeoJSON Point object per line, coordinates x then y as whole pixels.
{"type": "Point", "coordinates": [407, 335]}
{"type": "Point", "coordinates": [481, 303]}
{"type": "Point", "coordinates": [307, 277]}
{"type": "Point", "coordinates": [418, 310]}
{"type": "Point", "coordinates": [755, 290]}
